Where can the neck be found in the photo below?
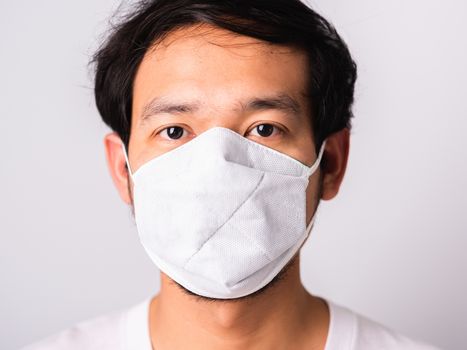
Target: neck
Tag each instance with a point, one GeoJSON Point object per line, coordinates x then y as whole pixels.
{"type": "Point", "coordinates": [275, 318]}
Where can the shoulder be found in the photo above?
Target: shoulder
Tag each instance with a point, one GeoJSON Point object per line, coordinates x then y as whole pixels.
{"type": "Point", "coordinates": [359, 332]}
{"type": "Point", "coordinates": [98, 333]}
{"type": "Point", "coordinates": [104, 332]}
{"type": "Point", "coordinates": [370, 334]}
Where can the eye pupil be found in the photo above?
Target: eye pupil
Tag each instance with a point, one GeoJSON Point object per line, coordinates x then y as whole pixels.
{"type": "Point", "coordinates": [265, 130]}
{"type": "Point", "coordinates": [175, 132]}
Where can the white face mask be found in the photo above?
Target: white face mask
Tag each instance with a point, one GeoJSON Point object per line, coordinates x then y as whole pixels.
{"type": "Point", "coordinates": [221, 214]}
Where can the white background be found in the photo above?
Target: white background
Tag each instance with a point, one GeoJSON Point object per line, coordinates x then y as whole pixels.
{"type": "Point", "coordinates": [391, 246]}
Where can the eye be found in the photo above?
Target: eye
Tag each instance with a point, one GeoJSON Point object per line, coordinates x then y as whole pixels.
{"type": "Point", "coordinates": [173, 133]}
{"type": "Point", "coordinates": [264, 130]}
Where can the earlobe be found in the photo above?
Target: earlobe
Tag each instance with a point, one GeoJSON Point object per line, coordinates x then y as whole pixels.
{"type": "Point", "coordinates": [334, 163]}
{"type": "Point", "coordinates": [117, 165]}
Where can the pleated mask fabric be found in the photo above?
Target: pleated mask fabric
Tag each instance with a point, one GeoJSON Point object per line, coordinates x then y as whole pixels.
{"type": "Point", "coordinates": [221, 214]}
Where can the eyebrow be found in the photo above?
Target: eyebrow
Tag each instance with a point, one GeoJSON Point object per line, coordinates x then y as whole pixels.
{"type": "Point", "coordinates": [159, 105]}
{"type": "Point", "coordinates": [281, 102]}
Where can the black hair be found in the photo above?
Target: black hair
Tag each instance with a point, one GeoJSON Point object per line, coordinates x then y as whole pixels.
{"type": "Point", "coordinates": [285, 22]}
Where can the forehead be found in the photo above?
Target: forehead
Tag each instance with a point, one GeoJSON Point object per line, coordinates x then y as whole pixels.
{"type": "Point", "coordinates": [218, 67]}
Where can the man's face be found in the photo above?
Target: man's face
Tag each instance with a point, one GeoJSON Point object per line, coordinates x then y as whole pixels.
{"type": "Point", "coordinates": [201, 77]}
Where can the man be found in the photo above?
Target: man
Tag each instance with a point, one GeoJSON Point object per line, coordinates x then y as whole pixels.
{"type": "Point", "coordinates": [231, 122]}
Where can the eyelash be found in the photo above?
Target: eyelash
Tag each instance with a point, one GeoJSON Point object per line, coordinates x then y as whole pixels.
{"type": "Point", "coordinates": [276, 130]}
{"type": "Point", "coordinates": [184, 131]}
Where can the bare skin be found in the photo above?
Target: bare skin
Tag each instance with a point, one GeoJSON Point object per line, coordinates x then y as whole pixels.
{"type": "Point", "coordinates": [202, 77]}
{"type": "Point", "coordinates": [283, 317]}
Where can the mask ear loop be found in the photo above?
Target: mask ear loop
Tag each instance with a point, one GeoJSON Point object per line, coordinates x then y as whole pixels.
{"type": "Point", "coordinates": [310, 225]}
{"type": "Point", "coordinates": [314, 167]}
{"type": "Point", "coordinates": [127, 161]}
{"type": "Point", "coordinates": [311, 171]}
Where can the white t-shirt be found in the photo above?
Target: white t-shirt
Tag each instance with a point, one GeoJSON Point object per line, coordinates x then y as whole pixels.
{"type": "Point", "coordinates": [128, 330]}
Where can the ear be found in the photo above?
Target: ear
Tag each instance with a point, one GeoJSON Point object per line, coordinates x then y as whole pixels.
{"type": "Point", "coordinates": [117, 165]}
{"type": "Point", "coordinates": [336, 154]}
